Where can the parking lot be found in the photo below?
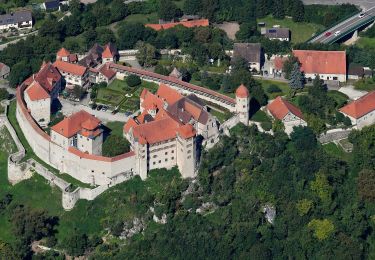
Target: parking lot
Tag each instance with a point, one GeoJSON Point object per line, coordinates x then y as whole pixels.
{"type": "Point", "coordinates": [70, 107]}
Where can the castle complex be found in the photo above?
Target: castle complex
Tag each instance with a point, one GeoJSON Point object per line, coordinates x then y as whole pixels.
{"type": "Point", "coordinates": [167, 132]}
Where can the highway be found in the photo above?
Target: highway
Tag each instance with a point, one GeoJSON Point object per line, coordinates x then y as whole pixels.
{"type": "Point", "coordinates": [330, 35]}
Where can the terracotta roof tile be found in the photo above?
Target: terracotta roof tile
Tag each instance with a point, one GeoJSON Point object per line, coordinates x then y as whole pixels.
{"type": "Point", "coordinates": [48, 76]}
{"type": "Point", "coordinates": [71, 68]}
{"type": "Point", "coordinates": [186, 131]}
{"type": "Point", "coordinates": [242, 92]}
{"type": "Point", "coordinates": [63, 53]}
{"type": "Point", "coordinates": [168, 94]}
{"type": "Point", "coordinates": [360, 107]}
{"type": "Point", "coordinates": [36, 92]}
{"type": "Point", "coordinates": [279, 108]}
{"type": "Point", "coordinates": [109, 51]}
{"type": "Point", "coordinates": [107, 72]}
{"type": "Point", "coordinates": [73, 124]}
{"type": "Point", "coordinates": [322, 62]}
{"type": "Point", "coordinates": [189, 24]}
{"type": "Point", "coordinates": [128, 125]}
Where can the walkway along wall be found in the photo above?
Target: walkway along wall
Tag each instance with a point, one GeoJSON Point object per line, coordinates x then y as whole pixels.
{"type": "Point", "coordinates": [181, 86]}
{"type": "Point", "coordinates": [91, 169]}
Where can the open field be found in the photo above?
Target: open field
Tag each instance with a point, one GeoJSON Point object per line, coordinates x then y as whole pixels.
{"type": "Point", "coordinates": [336, 151]}
{"type": "Point", "coordinates": [366, 43]}
{"type": "Point", "coordinates": [281, 85]}
{"type": "Point", "coordinates": [365, 84]}
{"type": "Point", "coordinates": [300, 31]}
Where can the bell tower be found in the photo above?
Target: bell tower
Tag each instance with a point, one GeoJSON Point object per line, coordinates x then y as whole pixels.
{"type": "Point", "coordinates": [243, 104]}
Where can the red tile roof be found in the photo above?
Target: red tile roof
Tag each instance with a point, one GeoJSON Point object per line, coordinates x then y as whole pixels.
{"type": "Point", "coordinates": [150, 101]}
{"type": "Point", "coordinates": [73, 124]}
{"type": "Point", "coordinates": [156, 131]}
{"type": "Point", "coordinates": [242, 92]}
{"type": "Point", "coordinates": [107, 72]}
{"type": "Point", "coordinates": [109, 51]}
{"type": "Point", "coordinates": [48, 76]}
{"type": "Point", "coordinates": [36, 92]}
{"type": "Point", "coordinates": [73, 58]}
{"type": "Point", "coordinates": [131, 123]}
{"type": "Point", "coordinates": [189, 24]}
{"type": "Point", "coordinates": [71, 68]}
{"type": "Point", "coordinates": [279, 108]}
{"type": "Point", "coordinates": [360, 107]}
{"type": "Point", "coordinates": [322, 62]}
{"type": "Point", "coordinates": [168, 94]}
{"type": "Point", "coordinates": [186, 131]}
{"type": "Point", "coordinates": [63, 53]}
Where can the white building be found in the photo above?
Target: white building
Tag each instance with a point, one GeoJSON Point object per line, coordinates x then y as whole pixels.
{"type": "Point", "coordinates": [287, 113]}
{"type": "Point", "coordinates": [73, 74]}
{"type": "Point", "coordinates": [243, 104]}
{"type": "Point", "coordinates": [361, 111]}
{"type": "Point", "coordinates": [81, 130]}
{"type": "Point", "coordinates": [38, 102]}
{"type": "Point", "coordinates": [17, 20]}
{"type": "Point", "coordinates": [251, 52]}
{"type": "Point", "coordinates": [329, 65]}
{"type": "Point", "coordinates": [281, 34]}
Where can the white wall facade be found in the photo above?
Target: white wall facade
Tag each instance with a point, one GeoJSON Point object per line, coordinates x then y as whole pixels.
{"type": "Point", "coordinates": [90, 145]}
{"type": "Point", "coordinates": [290, 121]}
{"type": "Point", "coordinates": [39, 109]}
{"type": "Point", "coordinates": [366, 120]}
{"type": "Point", "coordinates": [336, 77]}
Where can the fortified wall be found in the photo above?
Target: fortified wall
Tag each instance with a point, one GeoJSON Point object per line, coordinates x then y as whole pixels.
{"type": "Point", "coordinates": [91, 169]}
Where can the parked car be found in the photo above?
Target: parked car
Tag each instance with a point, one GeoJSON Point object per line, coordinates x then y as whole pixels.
{"type": "Point", "coordinates": [104, 108]}
{"type": "Point", "coordinates": [99, 107]}
{"type": "Point", "coordinates": [93, 106]}
{"type": "Point", "coordinates": [327, 34]}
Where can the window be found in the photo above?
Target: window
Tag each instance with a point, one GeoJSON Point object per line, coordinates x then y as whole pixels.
{"type": "Point", "coordinates": [172, 158]}
{"type": "Point", "coordinates": [166, 153]}
{"type": "Point", "coordinates": [189, 151]}
{"type": "Point", "coordinates": [154, 163]}
{"type": "Point", "coordinates": [159, 161]}
{"type": "Point", "coordinates": [154, 156]}
{"type": "Point", "coordinates": [166, 159]}
{"type": "Point", "coordinates": [189, 157]}
{"type": "Point", "coordinates": [92, 171]}
{"type": "Point", "coordinates": [172, 151]}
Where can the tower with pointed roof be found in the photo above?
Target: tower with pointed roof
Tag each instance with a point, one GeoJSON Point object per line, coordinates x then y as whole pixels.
{"type": "Point", "coordinates": [243, 104]}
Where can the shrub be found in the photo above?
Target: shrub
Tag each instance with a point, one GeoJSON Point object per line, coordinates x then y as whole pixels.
{"type": "Point", "coordinates": [133, 80]}
{"type": "Point", "coordinates": [266, 126]}
{"type": "Point", "coordinates": [273, 89]}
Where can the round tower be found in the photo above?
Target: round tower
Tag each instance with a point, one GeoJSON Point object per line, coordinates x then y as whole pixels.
{"type": "Point", "coordinates": [243, 104]}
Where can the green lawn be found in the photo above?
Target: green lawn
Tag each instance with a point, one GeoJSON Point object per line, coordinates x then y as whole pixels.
{"type": "Point", "coordinates": [281, 85]}
{"type": "Point", "coordinates": [300, 31]}
{"type": "Point", "coordinates": [336, 151]}
{"type": "Point", "coordinates": [340, 98]}
{"type": "Point", "coordinates": [365, 84]}
{"type": "Point", "coordinates": [116, 128]}
{"type": "Point", "coordinates": [220, 116]}
{"type": "Point", "coordinates": [114, 94]}
{"type": "Point", "coordinates": [260, 116]}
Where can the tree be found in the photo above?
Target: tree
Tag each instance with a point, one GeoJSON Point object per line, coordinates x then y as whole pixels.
{"type": "Point", "coordinates": [297, 79]}
{"type": "Point", "coordinates": [77, 92]}
{"type": "Point", "coordinates": [4, 94]}
{"type": "Point", "coordinates": [72, 26]}
{"type": "Point", "coordinates": [366, 185]}
{"type": "Point", "coordinates": [278, 9]}
{"type": "Point", "coordinates": [75, 7]}
{"type": "Point", "coordinates": [133, 80]}
{"type": "Point", "coordinates": [146, 54]}
{"type": "Point", "coordinates": [76, 243]}
{"type": "Point", "coordinates": [288, 66]}
{"type": "Point", "coordinates": [192, 6]}
{"type": "Point", "coordinates": [167, 10]}
{"type": "Point", "coordinates": [119, 10]}
{"type": "Point", "coordinates": [304, 206]}
{"type": "Point", "coordinates": [262, 8]}
{"type": "Point", "coordinates": [246, 31]}
{"type": "Point", "coordinates": [322, 228]}
{"type": "Point", "coordinates": [19, 72]}
{"type": "Point", "coordinates": [298, 11]}
{"type": "Point", "coordinates": [321, 187]}
{"type": "Point", "coordinates": [115, 145]}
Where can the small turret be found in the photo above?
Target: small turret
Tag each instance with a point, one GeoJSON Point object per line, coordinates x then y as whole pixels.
{"type": "Point", "coordinates": [243, 104]}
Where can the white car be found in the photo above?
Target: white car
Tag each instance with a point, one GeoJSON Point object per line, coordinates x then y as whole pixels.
{"type": "Point", "coordinates": [337, 33]}
{"type": "Point", "coordinates": [361, 15]}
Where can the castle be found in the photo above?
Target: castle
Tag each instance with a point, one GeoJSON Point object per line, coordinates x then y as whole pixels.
{"type": "Point", "coordinates": [164, 135]}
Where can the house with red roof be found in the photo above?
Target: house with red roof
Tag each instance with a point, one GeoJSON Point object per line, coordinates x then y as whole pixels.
{"type": "Point", "coordinates": [81, 131]}
{"type": "Point", "coordinates": [361, 111]}
{"type": "Point", "coordinates": [74, 74]}
{"type": "Point", "coordinates": [38, 102]}
{"type": "Point", "coordinates": [329, 65]}
{"type": "Point", "coordinates": [287, 113]}
{"type": "Point", "coordinates": [110, 53]}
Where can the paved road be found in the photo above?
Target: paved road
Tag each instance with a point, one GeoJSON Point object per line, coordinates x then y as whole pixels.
{"type": "Point", "coordinates": [344, 26]}
{"type": "Point", "coordinates": [365, 4]}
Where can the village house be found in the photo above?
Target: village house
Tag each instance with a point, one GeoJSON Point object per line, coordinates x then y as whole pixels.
{"type": "Point", "coordinates": [17, 20]}
{"type": "Point", "coordinates": [110, 53]}
{"type": "Point", "coordinates": [329, 65]}
{"type": "Point", "coordinates": [356, 72]}
{"type": "Point", "coordinates": [74, 74]}
{"type": "Point", "coordinates": [102, 74]}
{"type": "Point", "coordinates": [287, 113]}
{"type": "Point", "coordinates": [64, 55]}
{"type": "Point", "coordinates": [51, 5]}
{"type": "Point", "coordinates": [281, 34]}
{"type": "Point", "coordinates": [4, 71]}
{"type": "Point", "coordinates": [81, 130]}
{"type": "Point", "coordinates": [251, 52]}
{"type": "Point", "coordinates": [361, 111]}
{"type": "Point", "coordinates": [42, 89]}
{"type": "Point", "coordinates": [274, 65]}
